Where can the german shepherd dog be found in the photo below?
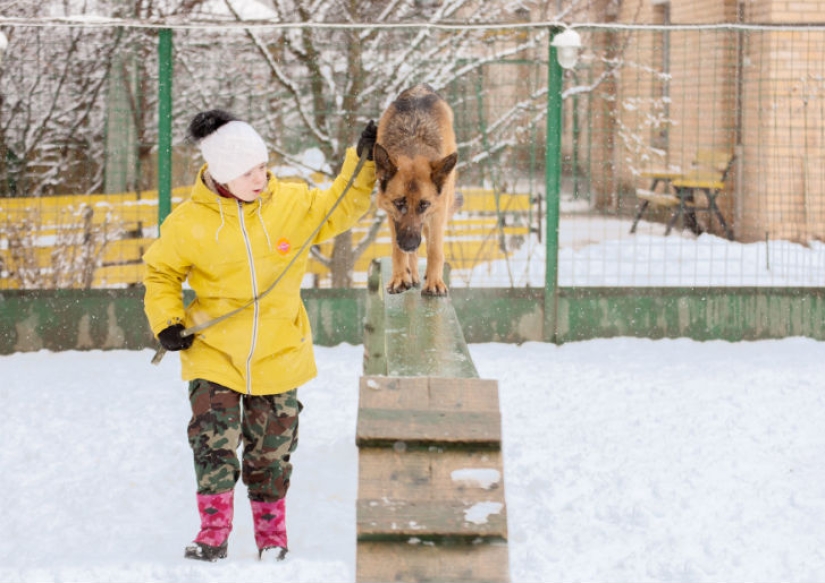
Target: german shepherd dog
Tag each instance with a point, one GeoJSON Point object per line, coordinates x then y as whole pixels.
{"type": "Point", "coordinates": [415, 157]}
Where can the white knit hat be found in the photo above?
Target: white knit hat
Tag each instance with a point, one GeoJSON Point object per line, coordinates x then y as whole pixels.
{"type": "Point", "coordinates": [232, 150]}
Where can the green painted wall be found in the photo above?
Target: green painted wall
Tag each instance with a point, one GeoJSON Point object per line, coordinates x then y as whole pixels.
{"type": "Point", "coordinates": [108, 319]}
{"type": "Point", "coordinates": [72, 320]}
{"type": "Point", "coordinates": [702, 314]}
{"type": "Point", "coordinates": [500, 315]}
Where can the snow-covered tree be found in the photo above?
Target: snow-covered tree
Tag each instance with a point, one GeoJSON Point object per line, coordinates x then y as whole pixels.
{"type": "Point", "coordinates": [55, 90]}
{"type": "Point", "coordinates": [316, 82]}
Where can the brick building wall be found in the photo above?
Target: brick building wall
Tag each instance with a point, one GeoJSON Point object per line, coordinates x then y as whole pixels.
{"type": "Point", "coordinates": [781, 190]}
{"type": "Point", "coordinates": [758, 94]}
{"type": "Point", "coordinates": [785, 11]}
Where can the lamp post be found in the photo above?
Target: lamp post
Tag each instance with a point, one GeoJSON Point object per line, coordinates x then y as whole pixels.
{"type": "Point", "coordinates": [165, 73]}
{"type": "Point", "coordinates": [564, 53]}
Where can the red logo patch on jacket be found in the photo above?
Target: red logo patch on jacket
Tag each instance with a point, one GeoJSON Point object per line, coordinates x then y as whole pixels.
{"type": "Point", "coordinates": [283, 246]}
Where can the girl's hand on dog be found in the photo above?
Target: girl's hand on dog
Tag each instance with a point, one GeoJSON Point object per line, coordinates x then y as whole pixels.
{"type": "Point", "coordinates": [367, 140]}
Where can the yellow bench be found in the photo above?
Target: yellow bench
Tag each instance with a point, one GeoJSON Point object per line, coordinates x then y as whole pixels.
{"type": "Point", "coordinates": [708, 175]}
{"type": "Point", "coordinates": [469, 241]}
{"type": "Point", "coordinates": [483, 200]}
{"type": "Point", "coordinates": [49, 229]}
{"type": "Point", "coordinates": [47, 239]}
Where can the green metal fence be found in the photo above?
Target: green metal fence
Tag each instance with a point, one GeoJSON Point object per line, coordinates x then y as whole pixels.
{"type": "Point", "coordinates": [672, 166]}
{"type": "Point", "coordinates": [308, 89]}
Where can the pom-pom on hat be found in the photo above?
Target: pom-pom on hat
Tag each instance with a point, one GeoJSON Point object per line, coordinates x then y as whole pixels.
{"type": "Point", "coordinates": [230, 147]}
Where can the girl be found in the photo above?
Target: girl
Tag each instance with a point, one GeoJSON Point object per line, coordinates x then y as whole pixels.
{"type": "Point", "coordinates": [231, 240]}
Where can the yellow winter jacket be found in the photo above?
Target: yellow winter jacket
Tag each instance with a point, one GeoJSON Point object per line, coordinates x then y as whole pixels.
{"type": "Point", "coordinates": [231, 252]}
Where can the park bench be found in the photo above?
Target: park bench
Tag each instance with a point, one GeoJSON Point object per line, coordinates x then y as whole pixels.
{"type": "Point", "coordinates": [708, 175]}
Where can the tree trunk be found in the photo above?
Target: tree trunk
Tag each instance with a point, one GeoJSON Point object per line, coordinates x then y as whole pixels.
{"type": "Point", "coordinates": [343, 261]}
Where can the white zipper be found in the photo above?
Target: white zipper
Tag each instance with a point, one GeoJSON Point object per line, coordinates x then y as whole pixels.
{"type": "Point", "coordinates": [255, 308]}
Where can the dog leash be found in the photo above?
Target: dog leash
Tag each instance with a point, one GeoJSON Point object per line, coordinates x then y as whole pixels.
{"type": "Point", "coordinates": [161, 351]}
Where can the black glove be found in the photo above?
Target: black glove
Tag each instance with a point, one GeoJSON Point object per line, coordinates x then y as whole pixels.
{"type": "Point", "coordinates": [170, 338]}
{"type": "Point", "coordinates": [367, 140]}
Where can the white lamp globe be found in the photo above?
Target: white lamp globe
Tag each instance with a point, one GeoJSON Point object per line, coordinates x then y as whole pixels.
{"type": "Point", "coordinates": [568, 44]}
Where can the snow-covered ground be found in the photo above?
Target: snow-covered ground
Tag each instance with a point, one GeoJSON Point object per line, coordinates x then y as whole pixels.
{"type": "Point", "coordinates": [600, 251]}
{"type": "Point", "coordinates": [625, 460]}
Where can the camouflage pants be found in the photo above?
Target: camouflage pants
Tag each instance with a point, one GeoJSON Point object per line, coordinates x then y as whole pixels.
{"type": "Point", "coordinates": [267, 426]}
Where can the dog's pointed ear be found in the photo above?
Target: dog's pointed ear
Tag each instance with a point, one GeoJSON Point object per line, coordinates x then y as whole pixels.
{"type": "Point", "coordinates": [442, 168]}
{"type": "Point", "coordinates": [385, 167]}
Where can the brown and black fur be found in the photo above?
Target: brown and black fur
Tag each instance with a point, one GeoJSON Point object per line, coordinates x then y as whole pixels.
{"type": "Point", "coordinates": [415, 157]}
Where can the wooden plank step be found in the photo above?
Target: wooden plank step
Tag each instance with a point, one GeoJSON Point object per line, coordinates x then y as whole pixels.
{"type": "Point", "coordinates": [433, 520]}
{"type": "Point", "coordinates": [420, 561]}
{"type": "Point", "coordinates": [437, 474]}
{"type": "Point", "coordinates": [422, 428]}
{"type": "Point", "coordinates": [428, 393]}
{"type": "Point", "coordinates": [423, 411]}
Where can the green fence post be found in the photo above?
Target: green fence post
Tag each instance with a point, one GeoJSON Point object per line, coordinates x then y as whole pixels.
{"type": "Point", "coordinates": [164, 123]}
{"type": "Point", "coordinates": [552, 187]}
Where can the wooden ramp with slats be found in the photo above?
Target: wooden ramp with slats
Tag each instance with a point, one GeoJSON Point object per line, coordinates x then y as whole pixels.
{"type": "Point", "coordinates": [431, 501]}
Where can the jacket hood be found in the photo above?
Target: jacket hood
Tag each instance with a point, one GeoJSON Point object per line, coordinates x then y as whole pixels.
{"type": "Point", "coordinates": [204, 193]}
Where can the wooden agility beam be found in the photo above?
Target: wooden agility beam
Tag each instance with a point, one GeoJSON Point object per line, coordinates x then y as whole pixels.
{"type": "Point", "coordinates": [431, 503]}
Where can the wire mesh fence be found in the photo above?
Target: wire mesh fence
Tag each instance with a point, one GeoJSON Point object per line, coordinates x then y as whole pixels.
{"type": "Point", "coordinates": [692, 156]}
{"type": "Point", "coordinates": [308, 91]}
{"type": "Point", "coordinates": [695, 158]}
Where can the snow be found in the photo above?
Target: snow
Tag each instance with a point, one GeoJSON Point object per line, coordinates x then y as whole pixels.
{"type": "Point", "coordinates": [600, 251]}
{"type": "Point", "coordinates": [484, 478]}
{"type": "Point", "coordinates": [624, 460]}
{"type": "Point", "coordinates": [246, 10]}
{"type": "Point", "coordinates": [478, 512]}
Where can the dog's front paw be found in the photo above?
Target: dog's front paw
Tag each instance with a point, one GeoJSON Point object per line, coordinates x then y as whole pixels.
{"type": "Point", "coordinates": [436, 288]}
{"type": "Point", "coordinates": [398, 285]}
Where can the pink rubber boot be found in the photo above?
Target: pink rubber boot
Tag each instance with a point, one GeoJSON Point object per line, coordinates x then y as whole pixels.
{"type": "Point", "coordinates": [270, 528]}
{"type": "Point", "coordinates": [216, 512]}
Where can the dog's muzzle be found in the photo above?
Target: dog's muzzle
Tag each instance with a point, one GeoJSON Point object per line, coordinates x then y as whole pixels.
{"type": "Point", "coordinates": [408, 241]}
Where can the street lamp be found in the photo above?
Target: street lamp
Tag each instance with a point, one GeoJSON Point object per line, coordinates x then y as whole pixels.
{"type": "Point", "coordinates": [565, 47]}
{"type": "Point", "coordinates": [567, 43]}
